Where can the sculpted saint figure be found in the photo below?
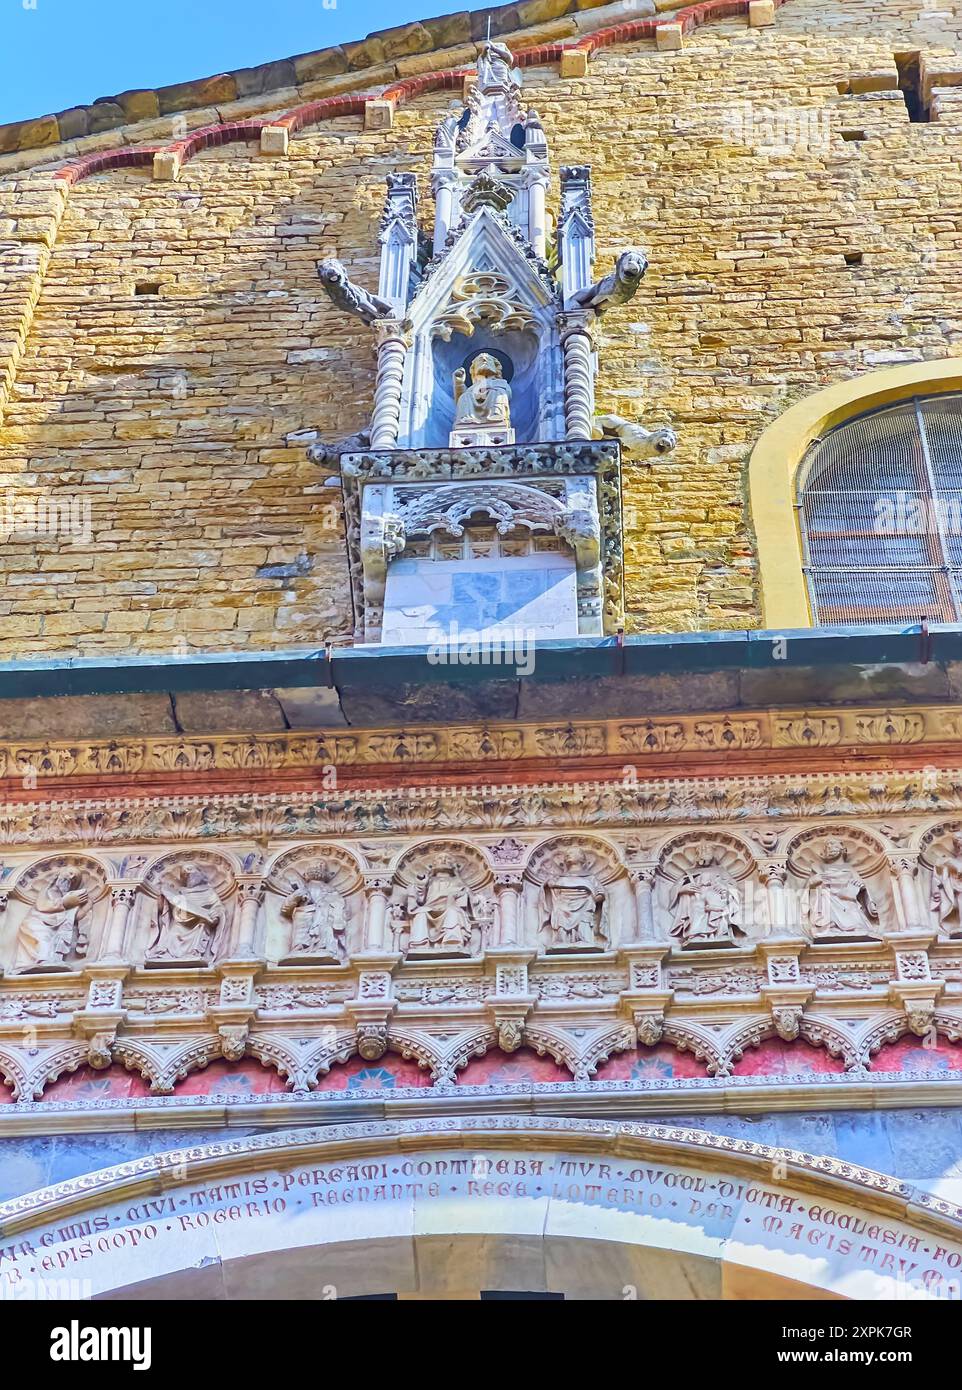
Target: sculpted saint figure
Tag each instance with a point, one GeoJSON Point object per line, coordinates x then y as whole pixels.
{"type": "Point", "coordinates": [487, 401]}
{"type": "Point", "coordinates": [947, 890]}
{"type": "Point", "coordinates": [839, 902]}
{"type": "Point", "coordinates": [189, 915]}
{"type": "Point", "coordinates": [706, 905]}
{"type": "Point", "coordinates": [441, 911]}
{"type": "Point", "coordinates": [573, 905]}
{"type": "Point", "coordinates": [53, 925]}
{"type": "Point", "coordinates": [496, 65]}
{"type": "Point", "coordinates": [318, 915]}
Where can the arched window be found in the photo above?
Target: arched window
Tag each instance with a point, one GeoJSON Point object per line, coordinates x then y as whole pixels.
{"type": "Point", "coordinates": [880, 513]}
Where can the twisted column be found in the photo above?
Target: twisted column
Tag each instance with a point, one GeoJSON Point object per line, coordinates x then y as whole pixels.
{"type": "Point", "coordinates": [393, 344]}
{"type": "Point", "coordinates": [579, 381]}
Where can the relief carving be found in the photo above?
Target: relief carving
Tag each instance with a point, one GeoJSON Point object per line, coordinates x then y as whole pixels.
{"type": "Point", "coordinates": [54, 934]}
{"type": "Point", "coordinates": [574, 906]}
{"type": "Point", "coordinates": [437, 908]}
{"type": "Point", "coordinates": [944, 853]}
{"type": "Point", "coordinates": [838, 904]}
{"type": "Point", "coordinates": [313, 894]}
{"type": "Point", "coordinates": [55, 926]}
{"type": "Point", "coordinates": [573, 881]}
{"type": "Point", "coordinates": [318, 916]}
{"type": "Point", "coordinates": [704, 903]}
{"type": "Point", "coordinates": [190, 915]}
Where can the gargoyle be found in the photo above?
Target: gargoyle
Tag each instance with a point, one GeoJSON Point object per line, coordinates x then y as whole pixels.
{"type": "Point", "coordinates": [351, 298]}
{"type": "Point", "coordinates": [329, 455]}
{"type": "Point", "coordinates": [638, 442]}
{"type": "Point", "coordinates": [617, 287]}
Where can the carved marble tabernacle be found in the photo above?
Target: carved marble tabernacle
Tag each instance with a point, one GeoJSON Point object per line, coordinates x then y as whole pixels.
{"type": "Point", "coordinates": [484, 415]}
{"type": "Point", "coordinates": [302, 947]}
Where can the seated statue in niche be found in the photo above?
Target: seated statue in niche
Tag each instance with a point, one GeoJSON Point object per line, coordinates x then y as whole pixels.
{"type": "Point", "coordinates": [706, 905]}
{"type": "Point", "coordinates": [574, 905]}
{"type": "Point", "coordinates": [946, 898]}
{"type": "Point", "coordinates": [54, 926]}
{"type": "Point", "coordinates": [483, 408]}
{"type": "Point", "coordinates": [318, 915]}
{"type": "Point", "coordinates": [189, 914]}
{"type": "Point", "coordinates": [442, 912]}
{"type": "Point", "coordinates": [839, 904]}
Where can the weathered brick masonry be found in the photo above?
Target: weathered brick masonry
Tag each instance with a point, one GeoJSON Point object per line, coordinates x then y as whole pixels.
{"type": "Point", "coordinates": [160, 338]}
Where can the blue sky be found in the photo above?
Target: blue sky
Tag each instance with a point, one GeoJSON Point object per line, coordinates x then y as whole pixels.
{"type": "Point", "coordinates": [60, 53]}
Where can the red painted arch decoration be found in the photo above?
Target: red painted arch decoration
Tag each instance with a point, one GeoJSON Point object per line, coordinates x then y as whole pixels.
{"type": "Point", "coordinates": [691, 17]}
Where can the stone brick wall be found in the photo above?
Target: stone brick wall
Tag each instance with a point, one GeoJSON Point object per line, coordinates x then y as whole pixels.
{"type": "Point", "coordinates": [158, 340]}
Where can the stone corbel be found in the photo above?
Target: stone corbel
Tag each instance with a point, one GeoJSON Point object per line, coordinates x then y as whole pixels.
{"type": "Point", "coordinates": [786, 994]}
{"type": "Point", "coordinates": [512, 1001]}
{"type": "Point", "coordinates": [382, 540]}
{"type": "Point", "coordinates": [918, 1001]}
{"type": "Point", "coordinates": [103, 1012]}
{"type": "Point", "coordinates": [914, 990]}
{"type": "Point", "coordinates": [236, 1007]}
{"type": "Point", "coordinates": [233, 1040]}
{"type": "Point", "coordinates": [371, 1011]}
{"type": "Point", "coordinates": [580, 526]}
{"type": "Point", "coordinates": [781, 958]}
{"type": "Point", "coordinates": [647, 997]}
{"type": "Point", "coordinates": [787, 1004]}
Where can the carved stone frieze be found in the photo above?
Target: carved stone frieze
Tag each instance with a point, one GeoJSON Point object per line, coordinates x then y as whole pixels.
{"type": "Point", "coordinates": [684, 733]}
{"type": "Point", "coordinates": [702, 983]}
{"type": "Point", "coordinates": [281, 999]}
{"type": "Point", "coordinates": [576, 979]}
{"type": "Point", "coordinates": [49, 1005]}
{"type": "Point", "coordinates": [653, 737]}
{"type": "Point", "coordinates": [158, 1002]}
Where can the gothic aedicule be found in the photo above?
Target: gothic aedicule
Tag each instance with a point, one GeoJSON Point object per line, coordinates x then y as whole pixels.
{"type": "Point", "coordinates": [422, 801]}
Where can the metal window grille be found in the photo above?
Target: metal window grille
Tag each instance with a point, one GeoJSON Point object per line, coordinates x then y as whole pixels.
{"type": "Point", "coordinates": [880, 513]}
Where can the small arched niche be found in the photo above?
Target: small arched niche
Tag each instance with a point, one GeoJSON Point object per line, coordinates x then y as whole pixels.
{"type": "Point", "coordinates": [518, 355]}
